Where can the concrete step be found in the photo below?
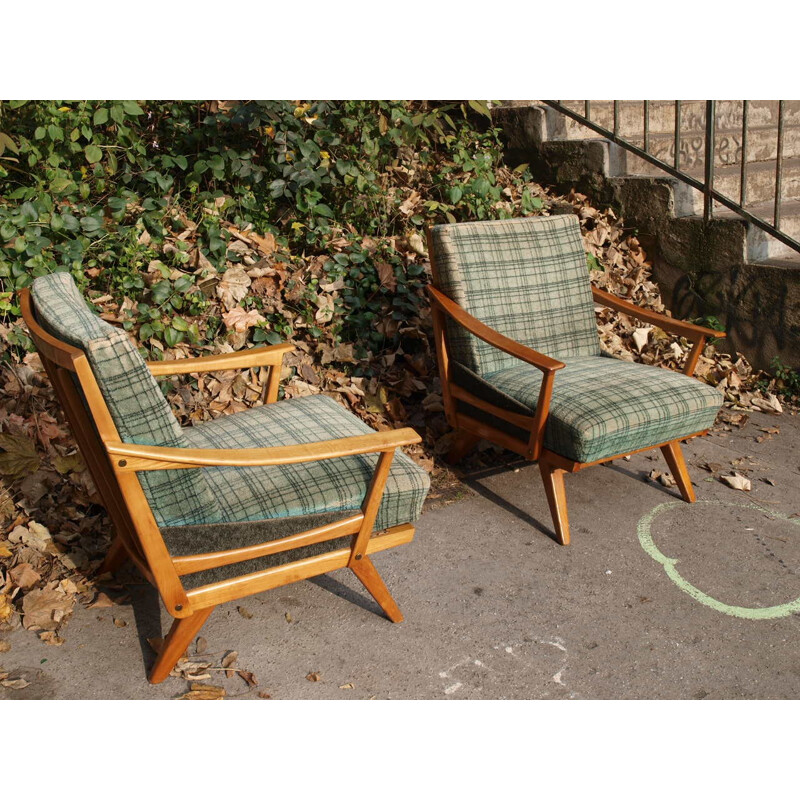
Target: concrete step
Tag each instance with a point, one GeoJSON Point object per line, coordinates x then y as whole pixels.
{"type": "Point", "coordinates": [762, 145]}
{"type": "Point", "coordinates": [727, 179]}
{"type": "Point", "coordinates": [761, 113]}
{"type": "Point", "coordinates": [761, 247]}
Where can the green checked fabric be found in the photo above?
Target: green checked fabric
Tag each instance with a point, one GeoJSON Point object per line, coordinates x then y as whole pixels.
{"type": "Point", "coordinates": [526, 278]}
{"type": "Point", "coordinates": [139, 410]}
{"type": "Point", "coordinates": [602, 406]}
{"type": "Point", "coordinates": [288, 490]}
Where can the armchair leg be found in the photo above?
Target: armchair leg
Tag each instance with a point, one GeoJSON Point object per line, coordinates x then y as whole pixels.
{"type": "Point", "coordinates": [677, 465]}
{"type": "Point", "coordinates": [178, 639]}
{"type": "Point", "coordinates": [117, 555]}
{"type": "Point", "coordinates": [553, 479]}
{"type": "Point", "coordinates": [365, 571]}
{"type": "Point", "coordinates": [462, 444]}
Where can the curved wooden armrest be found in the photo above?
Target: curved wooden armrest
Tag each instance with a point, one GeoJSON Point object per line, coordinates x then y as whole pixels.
{"type": "Point", "coordinates": [491, 336]}
{"type": "Point", "coordinates": [687, 329]}
{"type": "Point", "coordinates": [241, 359]}
{"type": "Point", "coordinates": [138, 457]}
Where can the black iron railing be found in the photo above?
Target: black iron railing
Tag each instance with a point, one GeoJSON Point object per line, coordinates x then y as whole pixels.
{"type": "Point", "coordinates": [706, 185]}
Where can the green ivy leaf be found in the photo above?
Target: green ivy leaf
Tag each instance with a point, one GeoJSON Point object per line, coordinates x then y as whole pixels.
{"type": "Point", "coordinates": [132, 108]}
{"type": "Point", "coordinates": [93, 153]}
{"type": "Point", "coordinates": [481, 107]}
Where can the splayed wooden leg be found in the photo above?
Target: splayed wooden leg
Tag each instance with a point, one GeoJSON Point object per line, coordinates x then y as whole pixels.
{"type": "Point", "coordinates": [117, 555]}
{"type": "Point", "coordinates": [179, 638]}
{"type": "Point", "coordinates": [365, 571]}
{"type": "Point", "coordinates": [462, 444]}
{"type": "Point", "coordinates": [553, 479]}
{"type": "Point", "coordinates": [677, 466]}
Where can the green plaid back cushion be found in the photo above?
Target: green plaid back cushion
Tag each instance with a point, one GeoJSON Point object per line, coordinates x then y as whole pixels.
{"type": "Point", "coordinates": [526, 278]}
{"type": "Point", "coordinates": [139, 410]}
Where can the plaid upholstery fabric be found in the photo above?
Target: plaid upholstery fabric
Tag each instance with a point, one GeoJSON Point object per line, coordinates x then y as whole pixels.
{"type": "Point", "coordinates": [337, 484]}
{"type": "Point", "coordinates": [139, 410]}
{"type": "Point", "coordinates": [526, 278]}
{"type": "Point", "coordinates": [603, 406]}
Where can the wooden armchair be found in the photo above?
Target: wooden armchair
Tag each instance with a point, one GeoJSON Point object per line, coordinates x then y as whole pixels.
{"type": "Point", "coordinates": [226, 508]}
{"type": "Point", "coordinates": [520, 360]}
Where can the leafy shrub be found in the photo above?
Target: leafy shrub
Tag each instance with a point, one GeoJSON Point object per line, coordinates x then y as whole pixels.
{"type": "Point", "coordinates": [138, 200]}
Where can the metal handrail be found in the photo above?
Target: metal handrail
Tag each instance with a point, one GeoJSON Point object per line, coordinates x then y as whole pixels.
{"type": "Point", "coordinates": [706, 186]}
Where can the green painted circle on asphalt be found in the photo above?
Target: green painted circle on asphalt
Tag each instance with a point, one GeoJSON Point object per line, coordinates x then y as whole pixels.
{"type": "Point", "coordinates": [669, 564]}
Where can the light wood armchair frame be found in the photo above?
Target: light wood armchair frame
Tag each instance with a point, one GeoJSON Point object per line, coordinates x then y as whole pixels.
{"type": "Point", "coordinates": [113, 465]}
{"type": "Point", "coordinates": [551, 465]}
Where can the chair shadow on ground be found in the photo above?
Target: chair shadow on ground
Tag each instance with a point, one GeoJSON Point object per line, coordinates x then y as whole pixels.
{"type": "Point", "coordinates": [472, 479]}
{"type": "Point", "coordinates": [330, 584]}
{"type": "Point", "coordinates": [146, 605]}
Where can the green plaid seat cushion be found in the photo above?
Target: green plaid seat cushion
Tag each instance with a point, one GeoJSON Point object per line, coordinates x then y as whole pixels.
{"type": "Point", "coordinates": [333, 485]}
{"type": "Point", "coordinates": [603, 406]}
{"type": "Point", "coordinates": [139, 409]}
{"type": "Point", "coordinates": [526, 278]}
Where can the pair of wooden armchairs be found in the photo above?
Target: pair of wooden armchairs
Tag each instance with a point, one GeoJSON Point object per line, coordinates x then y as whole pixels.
{"type": "Point", "coordinates": [292, 489]}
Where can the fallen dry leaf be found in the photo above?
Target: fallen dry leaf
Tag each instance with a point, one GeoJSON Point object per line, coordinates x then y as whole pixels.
{"type": "Point", "coordinates": [228, 661]}
{"type": "Point", "coordinates": [102, 600]}
{"type": "Point", "coordinates": [6, 609]}
{"type": "Point", "coordinates": [18, 456]}
{"type": "Point", "coordinates": [201, 645]}
{"type": "Point", "coordinates": [46, 608]}
{"type": "Point", "coordinates": [770, 404]}
{"type": "Point", "coordinates": [19, 683]}
{"type": "Point", "coordinates": [204, 691]}
{"type": "Point", "coordinates": [240, 320]}
{"type": "Point", "coordinates": [244, 612]}
{"type": "Point", "coordinates": [736, 481]}
{"type": "Point", "coordinates": [247, 677]}
{"type": "Point", "coordinates": [120, 623]}
{"type": "Point", "coordinates": [233, 286]}
{"type": "Point", "coordinates": [314, 676]}
{"type": "Point", "coordinates": [24, 575]}
{"type": "Point", "coordinates": [347, 686]}
{"type": "Point", "coordinates": [640, 337]}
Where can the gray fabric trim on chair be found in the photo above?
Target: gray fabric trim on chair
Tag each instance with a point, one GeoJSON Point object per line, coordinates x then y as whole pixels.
{"type": "Point", "coordinates": [193, 539]}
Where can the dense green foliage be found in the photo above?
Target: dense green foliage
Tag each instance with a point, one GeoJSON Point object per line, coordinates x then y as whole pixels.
{"type": "Point", "coordinates": [108, 189]}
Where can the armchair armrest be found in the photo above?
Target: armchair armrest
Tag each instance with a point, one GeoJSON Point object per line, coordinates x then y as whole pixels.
{"type": "Point", "coordinates": [140, 457]}
{"type": "Point", "coordinates": [677, 326]}
{"type": "Point", "coordinates": [694, 333]}
{"type": "Point", "coordinates": [491, 336]}
{"type": "Point", "coordinates": [442, 304]}
{"type": "Point", "coordinates": [242, 359]}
